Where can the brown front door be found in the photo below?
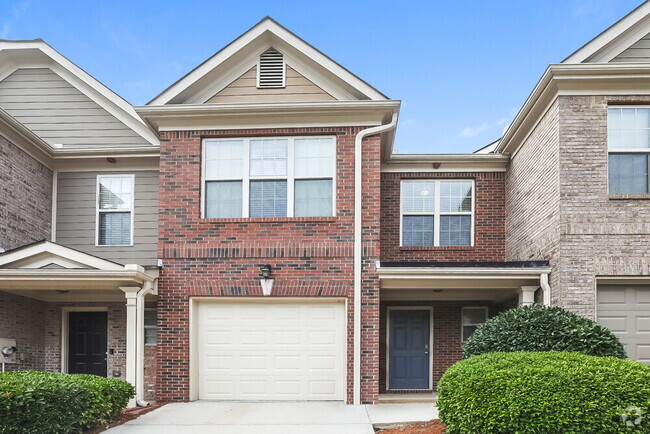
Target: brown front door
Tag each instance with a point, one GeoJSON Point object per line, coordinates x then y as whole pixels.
{"type": "Point", "coordinates": [87, 343]}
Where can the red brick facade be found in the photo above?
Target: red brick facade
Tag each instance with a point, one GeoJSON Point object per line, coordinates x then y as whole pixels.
{"type": "Point", "coordinates": [311, 257]}
{"type": "Point", "coordinates": [489, 220]}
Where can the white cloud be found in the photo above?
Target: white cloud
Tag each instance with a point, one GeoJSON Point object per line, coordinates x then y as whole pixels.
{"type": "Point", "coordinates": [473, 131]}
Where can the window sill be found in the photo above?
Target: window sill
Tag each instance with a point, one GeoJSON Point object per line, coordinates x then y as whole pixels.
{"type": "Point", "coordinates": [269, 220]}
{"type": "Point", "coordinates": [434, 248]}
{"type": "Point", "coordinates": [624, 196]}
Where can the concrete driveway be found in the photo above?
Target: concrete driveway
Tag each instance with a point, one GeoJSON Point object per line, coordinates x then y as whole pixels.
{"type": "Point", "coordinates": [273, 417]}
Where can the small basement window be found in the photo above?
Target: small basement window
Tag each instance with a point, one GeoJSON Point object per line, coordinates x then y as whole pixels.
{"type": "Point", "coordinates": [271, 69]}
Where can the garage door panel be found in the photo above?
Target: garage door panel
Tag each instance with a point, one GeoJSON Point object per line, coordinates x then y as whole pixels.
{"type": "Point", "coordinates": [617, 324]}
{"type": "Point", "coordinates": [643, 324]}
{"type": "Point", "coordinates": [267, 351]}
{"type": "Point", "coordinates": [625, 310]}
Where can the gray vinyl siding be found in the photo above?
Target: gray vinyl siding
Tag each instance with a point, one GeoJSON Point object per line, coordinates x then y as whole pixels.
{"type": "Point", "coordinates": [638, 52]}
{"type": "Point", "coordinates": [76, 217]}
{"type": "Point", "coordinates": [59, 113]}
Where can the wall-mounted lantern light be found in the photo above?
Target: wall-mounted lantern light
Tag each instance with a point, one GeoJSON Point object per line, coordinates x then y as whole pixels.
{"type": "Point", "coordinates": [267, 279]}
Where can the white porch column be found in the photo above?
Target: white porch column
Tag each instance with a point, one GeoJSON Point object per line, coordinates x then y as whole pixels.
{"type": "Point", "coordinates": [131, 294]}
{"type": "Point", "coordinates": [527, 295]}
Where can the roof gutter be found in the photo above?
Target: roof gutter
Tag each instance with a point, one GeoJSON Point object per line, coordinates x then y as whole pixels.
{"type": "Point", "coordinates": [358, 250]}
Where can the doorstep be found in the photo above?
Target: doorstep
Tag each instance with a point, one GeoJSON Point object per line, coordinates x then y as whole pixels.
{"type": "Point", "coordinates": [390, 415]}
{"type": "Point", "coordinates": [408, 398]}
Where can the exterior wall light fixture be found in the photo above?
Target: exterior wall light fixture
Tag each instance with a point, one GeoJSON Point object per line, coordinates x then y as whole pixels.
{"type": "Point", "coordinates": [267, 279]}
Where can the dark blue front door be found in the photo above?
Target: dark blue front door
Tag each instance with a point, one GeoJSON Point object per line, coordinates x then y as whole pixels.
{"type": "Point", "coordinates": [409, 349]}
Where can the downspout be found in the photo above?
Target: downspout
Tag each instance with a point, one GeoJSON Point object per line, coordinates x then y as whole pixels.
{"type": "Point", "coordinates": [147, 288]}
{"type": "Point", "coordinates": [546, 288]}
{"type": "Point", "coordinates": [55, 194]}
{"type": "Point", "coordinates": [358, 163]}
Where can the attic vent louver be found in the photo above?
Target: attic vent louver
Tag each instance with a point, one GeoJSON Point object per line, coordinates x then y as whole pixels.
{"type": "Point", "coordinates": [271, 69]}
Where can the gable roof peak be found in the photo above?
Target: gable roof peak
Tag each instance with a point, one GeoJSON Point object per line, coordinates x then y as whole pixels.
{"type": "Point", "coordinates": [237, 57]}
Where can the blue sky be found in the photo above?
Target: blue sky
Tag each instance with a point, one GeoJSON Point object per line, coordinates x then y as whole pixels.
{"type": "Point", "coordinates": [461, 68]}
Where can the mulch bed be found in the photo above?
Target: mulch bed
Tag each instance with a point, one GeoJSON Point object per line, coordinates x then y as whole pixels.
{"type": "Point", "coordinates": [126, 415]}
{"type": "Point", "coordinates": [431, 427]}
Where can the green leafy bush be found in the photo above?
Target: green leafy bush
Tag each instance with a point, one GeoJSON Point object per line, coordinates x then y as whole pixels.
{"type": "Point", "coordinates": [540, 328]}
{"type": "Point", "coordinates": [47, 402]}
{"type": "Point", "coordinates": [545, 392]}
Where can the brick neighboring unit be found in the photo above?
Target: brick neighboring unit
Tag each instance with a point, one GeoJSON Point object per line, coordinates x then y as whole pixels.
{"type": "Point", "coordinates": [25, 197]}
{"type": "Point", "coordinates": [558, 183]}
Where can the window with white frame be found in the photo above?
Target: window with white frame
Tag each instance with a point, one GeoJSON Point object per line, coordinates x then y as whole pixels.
{"type": "Point", "coordinates": [437, 212]}
{"type": "Point", "coordinates": [115, 196]}
{"type": "Point", "coordinates": [269, 177]}
{"type": "Point", "coordinates": [150, 323]}
{"type": "Point", "coordinates": [628, 140]}
{"type": "Point", "coordinates": [472, 317]}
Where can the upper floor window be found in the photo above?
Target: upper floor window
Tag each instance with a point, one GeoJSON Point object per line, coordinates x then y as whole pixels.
{"type": "Point", "coordinates": [115, 195]}
{"type": "Point", "coordinates": [437, 213]}
{"type": "Point", "coordinates": [628, 138]}
{"type": "Point", "coordinates": [269, 177]}
{"type": "Point", "coordinates": [271, 69]}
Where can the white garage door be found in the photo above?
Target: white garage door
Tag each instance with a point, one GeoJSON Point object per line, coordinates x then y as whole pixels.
{"type": "Point", "coordinates": [625, 310]}
{"type": "Point", "coordinates": [271, 350]}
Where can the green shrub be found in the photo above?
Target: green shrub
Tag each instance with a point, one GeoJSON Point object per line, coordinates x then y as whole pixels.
{"type": "Point", "coordinates": [545, 392]}
{"type": "Point", "coordinates": [46, 402]}
{"type": "Point", "coordinates": [540, 328]}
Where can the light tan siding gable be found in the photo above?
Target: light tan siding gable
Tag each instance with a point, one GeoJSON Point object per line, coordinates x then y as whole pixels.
{"type": "Point", "coordinates": [637, 52]}
{"type": "Point", "coordinates": [59, 113]}
{"type": "Point", "coordinates": [245, 90]}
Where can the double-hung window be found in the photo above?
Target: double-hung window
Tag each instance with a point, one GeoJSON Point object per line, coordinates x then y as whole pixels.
{"type": "Point", "coordinates": [269, 177]}
{"type": "Point", "coordinates": [472, 317]}
{"type": "Point", "coordinates": [437, 212]}
{"type": "Point", "coordinates": [115, 195]}
{"type": "Point", "coordinates": [628, 141]}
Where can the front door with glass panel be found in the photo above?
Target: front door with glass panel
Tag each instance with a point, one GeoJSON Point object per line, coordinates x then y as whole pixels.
{"type": "Point", "coordinates": [409, 340]}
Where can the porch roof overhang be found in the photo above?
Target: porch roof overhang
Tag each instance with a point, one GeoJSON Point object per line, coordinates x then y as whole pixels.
{"type": "Point", "coordinates": [495, 281]}
{"type": "Point", "coordinates": [51, 272]}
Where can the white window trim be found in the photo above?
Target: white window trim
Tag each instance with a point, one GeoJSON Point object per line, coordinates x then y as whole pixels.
{"type": "Point", "coordinates": [246, 179]}
{"type": "Point", "coordinates": [436, 214]}
{"type": "Point", "coordinates": [625, 150]}
{"type": "Point", "coordinates": [462, 316]}
{"type": "Point", "coordinates": [97, 210]}
{"type": "Point", "coordinates": [257, 70]}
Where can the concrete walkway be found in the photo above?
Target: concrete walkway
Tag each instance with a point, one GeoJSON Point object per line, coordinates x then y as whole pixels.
{"type": "Point", "coordinates": [273, 418]}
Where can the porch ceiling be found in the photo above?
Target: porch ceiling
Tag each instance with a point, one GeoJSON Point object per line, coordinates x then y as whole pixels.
{"type": "Point", "coordinates": [471, 281]}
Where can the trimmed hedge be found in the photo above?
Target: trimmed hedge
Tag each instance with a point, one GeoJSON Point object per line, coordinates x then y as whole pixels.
{"type": "Point", "coordinates": [541, 328]}
{"type": "Point", "coordinates": [47, 402]}
{"type": "Point", "coordinates": [545, 392]}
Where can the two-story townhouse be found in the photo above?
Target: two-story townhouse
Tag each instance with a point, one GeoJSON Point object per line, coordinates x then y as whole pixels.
{"type": "Point", "coordinates": [292, 254]}
{"type": "Point", "coordinates": [277, 166]}
{"type": "Point", "coordinates": [78, 221]}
